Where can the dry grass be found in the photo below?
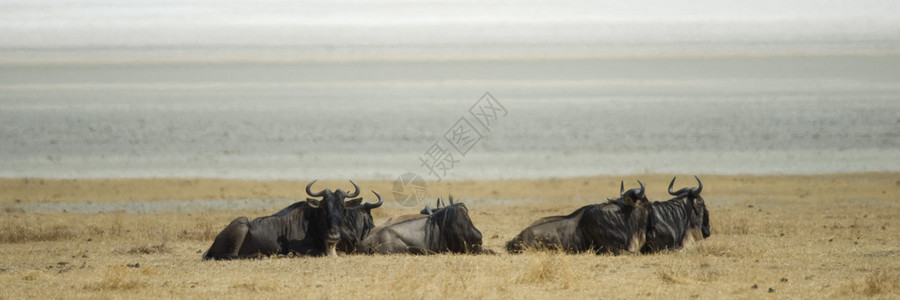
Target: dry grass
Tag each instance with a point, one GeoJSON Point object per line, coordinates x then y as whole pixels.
{"type": "Point", "coordinates": [161, 248]}
{"type": "Point", "coordinates": [878, 282]}
{"type": "Point", "coordinates": [551, 268]}
{"type": "Point", "coordinates": [13, 232]}
{"type": "Point", "coordinates": [120, 278]}
{"type": "Point", "coordinates": [828, 236]}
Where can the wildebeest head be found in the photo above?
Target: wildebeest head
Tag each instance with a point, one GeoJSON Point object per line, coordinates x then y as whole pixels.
{"type": "Point", "coordinates": [636, 200]}
{"type": "Point", "coordinates": [332, 206]}
{"type": "Point", "coordinates": [635, 196]}
{"type": "Point", "coordinates": [357, 224]}
{"type": "Point", "coordinates": [457, 232]}
{"type": "Point", "coordinates": [699, 213]}
{"type": "Point", "coordinates": [430, 211]}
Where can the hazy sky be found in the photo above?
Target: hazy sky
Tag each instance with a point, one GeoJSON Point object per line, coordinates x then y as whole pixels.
{"type": "Point", "coordinates": [30, 24]}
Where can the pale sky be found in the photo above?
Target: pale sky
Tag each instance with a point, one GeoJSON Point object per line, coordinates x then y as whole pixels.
{"type": "Point", "coordinates": [112, 24]}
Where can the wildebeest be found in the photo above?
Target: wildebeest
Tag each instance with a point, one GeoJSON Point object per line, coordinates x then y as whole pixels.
{"type": "Point", "coordinates": [678, 222]}
{"type": "Point", "coordinates": [614, 226]}
{"type": "Point", "coordinates": [311, 227]}
{"type": "Point", "coordinates": [357, 223]}
{"type": "Point", "coordinates": [447, 229]}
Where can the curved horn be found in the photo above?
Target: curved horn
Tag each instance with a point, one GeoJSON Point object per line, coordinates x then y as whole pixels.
{"type": "Point", "coordinates": [678, 192]}
{"type": "Point", "coordinates": [699, 188]}
{"type": "Point", "coordinates": [670, 187]}
{"type": "Point", "coordinates": [355, 193]}
{"type": "Point", "coordinates": [622, 188]}
{"type": "Point", "coordinates": [310, 193]}
{"type": "Point", "coordinates": [374, 205]}
{"type": "Point", "coordinates": [641, 192]}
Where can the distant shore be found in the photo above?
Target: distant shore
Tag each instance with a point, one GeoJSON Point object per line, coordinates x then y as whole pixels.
{"type": "Point", "coordinates": [35, 194]}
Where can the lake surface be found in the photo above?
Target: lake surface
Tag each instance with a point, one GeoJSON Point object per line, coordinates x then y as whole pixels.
{"type": "Point", "coordinates": [722, 115]}
{"type": "Point", "coordinates": [287, 89]}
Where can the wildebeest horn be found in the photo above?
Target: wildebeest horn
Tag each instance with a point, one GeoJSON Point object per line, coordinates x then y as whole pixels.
{"type": "Point", "coordinates": [439, 203]}
{"type": "Point", "coordinates": [671, 183]}
{"type": "Point", "coordinates": [451, 199]}
{"type": "Point", "coordinates": [310, 193]}
{"type": "Point", "coordinates": [678, 192]}
{"type": "Point", "coordinates": [356, 193]}
{"type": "Point", "coordinates": [641, 193]}
{"type": "Point", "coordinates": [622, 188]}
{"type": "Point", "coordinates": [699, 188]}
{"type": "Point", "coordinates": [374, 205]}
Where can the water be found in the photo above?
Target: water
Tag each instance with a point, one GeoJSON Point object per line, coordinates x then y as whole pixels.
{"type": "Point", "coordinates": [363, 89]}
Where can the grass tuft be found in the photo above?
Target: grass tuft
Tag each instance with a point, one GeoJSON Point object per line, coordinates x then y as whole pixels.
{"type": "Point", "coordinates": [36, 276]}
{"type": "Point", "coordinates": [153, 249]}
{"type": "Point", "coordinates": [12, 232]}
{"type": "Point", "coordinates": [119, 278]}
{"type": "Point", "coordinates": [736, 226]}
{"type": "Point", "coordinates": [878, 282]}
{"type": "Point", "coordinates": [547, 268]}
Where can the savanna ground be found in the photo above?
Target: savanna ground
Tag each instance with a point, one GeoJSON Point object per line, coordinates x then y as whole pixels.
{"type": "Point", "coordinates": [815, 236]}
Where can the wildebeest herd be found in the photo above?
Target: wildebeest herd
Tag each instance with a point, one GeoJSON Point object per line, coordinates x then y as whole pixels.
{"type": "Point", "coordinates": [332, 221]}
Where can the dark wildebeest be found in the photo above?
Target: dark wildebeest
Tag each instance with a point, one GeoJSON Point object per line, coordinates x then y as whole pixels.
{"type": "Point", "coordinates": [357, 223]}
{"type": "Point", "coordinates": [312, 227]}
{"type": "Point", "coordinates": [614, 226]}
{"type": "Point", "coordinates": [678, 222]}
{"type": "Point", "coordinates": [447, 229]}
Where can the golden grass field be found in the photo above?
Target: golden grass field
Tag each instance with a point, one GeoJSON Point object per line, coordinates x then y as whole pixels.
{"type": "Point", "coordinates": [810, 237]}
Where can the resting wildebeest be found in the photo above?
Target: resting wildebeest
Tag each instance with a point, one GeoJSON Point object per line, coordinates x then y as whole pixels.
{"type": "Point", "coordinates": [447, 229]}
{"type": "Point", "coordinates": [677, 222]}
{"type": "Point", "coordinates": [312, 227]}
{"type": "Point", "coordinates": [357, 223]}
{"type": "Point", "coordinates": [614, 226]}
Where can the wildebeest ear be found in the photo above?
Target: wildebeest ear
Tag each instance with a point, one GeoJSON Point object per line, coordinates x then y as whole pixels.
{"type": "Point", "coordinates": [428, 209]}
{"type": "Point", "coordinates": [697, 200]}
{"type": "Point", "coordinates": [312, 202]}
{"type": "Point", "coordinates": [353, 202]}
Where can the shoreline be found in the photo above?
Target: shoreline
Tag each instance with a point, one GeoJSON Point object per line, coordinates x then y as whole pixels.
{"type": "Point", "coordinates": [879, 186]}
{"type": "Point", "coordinates": [481, 165]}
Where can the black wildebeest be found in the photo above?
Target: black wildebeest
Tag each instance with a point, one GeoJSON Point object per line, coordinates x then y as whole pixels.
{"type": "Point", "coordinates": [678, 222]}
{"type": "Point", "coordinates": [614, 226]}
{"type": "Point", "coordinates": [312, 227]}
{"type": "Point", "coordinates": [447, 229]}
